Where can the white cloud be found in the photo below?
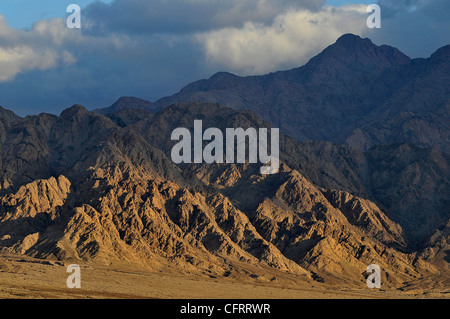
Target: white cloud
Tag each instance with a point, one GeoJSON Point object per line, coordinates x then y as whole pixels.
{"type": "Point", "coordinates": [49, 44]}
{"type": "Point", "coordinates": [21, 58]}
{"type": "Point", "coordinates": [290, 40]}
{"type": "Point", "coordinates": [36, 49]}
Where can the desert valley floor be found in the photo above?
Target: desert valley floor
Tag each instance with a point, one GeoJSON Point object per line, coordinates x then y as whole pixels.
{"type": "Point", "coordinates": [22, 277]}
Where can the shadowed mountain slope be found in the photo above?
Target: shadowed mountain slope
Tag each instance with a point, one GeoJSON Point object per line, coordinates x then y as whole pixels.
{"type": "Point", "coordinates": [354, 93]}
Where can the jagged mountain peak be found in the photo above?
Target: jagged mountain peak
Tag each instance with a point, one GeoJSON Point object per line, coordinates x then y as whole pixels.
{"type": "Point", "coordinates": [351, 49]}
{"type": "Point", "coordinates": [78, 113]}
{"type": "Point", "coordinates": [127, 102]}
{"type": "Point", "coordinates": [8, 115]}
{"type": "Point", "coordinates": [442, 54]}
{"type": "Point", "coordinates": [351, 40]}
{"type": "Point", "coordinates": [74, 111]}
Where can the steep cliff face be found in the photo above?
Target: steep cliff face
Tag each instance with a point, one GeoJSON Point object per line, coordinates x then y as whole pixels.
{"type": "Point", "coordinates": [30, 211]}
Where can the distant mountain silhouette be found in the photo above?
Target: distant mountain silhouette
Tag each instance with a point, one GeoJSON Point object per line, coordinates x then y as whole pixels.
{"type": "Point", "coordinates": [354, 92]}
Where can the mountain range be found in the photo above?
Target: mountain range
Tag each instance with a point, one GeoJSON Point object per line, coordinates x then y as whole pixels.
{"type": "Point", "coordinates": [354, 93]}
{"type": "Point", "coordinates": [364, 174]}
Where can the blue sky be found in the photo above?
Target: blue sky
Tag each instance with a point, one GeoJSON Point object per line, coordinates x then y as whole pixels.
{"type": "Point", "coordinates": [151, 49]}
{"type": "Point", "coordinates": [22, 13]}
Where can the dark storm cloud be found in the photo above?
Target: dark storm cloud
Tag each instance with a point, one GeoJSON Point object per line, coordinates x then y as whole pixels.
{"type": "Point", "coordinates": [185, 16]}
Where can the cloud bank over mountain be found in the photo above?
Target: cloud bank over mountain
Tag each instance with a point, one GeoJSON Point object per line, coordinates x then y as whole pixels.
{"type": "Point", "coordinates": [291, 39]}
{"type": "Point", "coordinates": [152, 49]}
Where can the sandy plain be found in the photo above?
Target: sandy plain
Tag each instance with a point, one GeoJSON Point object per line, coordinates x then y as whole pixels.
{"type": "Point", "coordinates": [22, 277]}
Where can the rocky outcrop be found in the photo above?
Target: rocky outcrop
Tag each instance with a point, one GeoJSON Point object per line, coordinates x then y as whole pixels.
{"type": "Point", "coordinates": [30, 211]}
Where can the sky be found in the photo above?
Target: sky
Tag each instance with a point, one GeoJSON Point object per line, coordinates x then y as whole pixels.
{"type": "Point", "coordinates": [151, 49]}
